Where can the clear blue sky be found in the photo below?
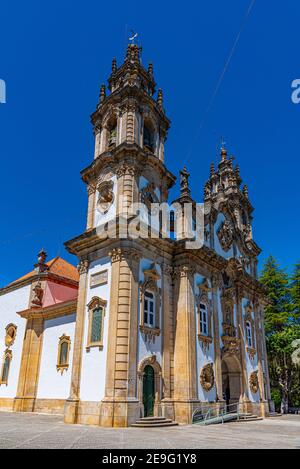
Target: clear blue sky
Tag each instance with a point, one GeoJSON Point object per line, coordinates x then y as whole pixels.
{"type": "Point", "coordinates": [55, 55]}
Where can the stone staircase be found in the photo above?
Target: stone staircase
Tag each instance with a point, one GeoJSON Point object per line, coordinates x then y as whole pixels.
{"type": "Point", "coordinates": [154, 422]}
{"type": "Point", "coordinates": [249, 417]}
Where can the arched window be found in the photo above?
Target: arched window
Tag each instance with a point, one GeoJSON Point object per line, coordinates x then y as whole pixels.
{"type": "Point", "coordinates": [148, 137]}
{"type": "Point", "coordinates": [149, 309]}
{"type": "Point", "coordinates": [6, 367]}
{"type": "Point", "coordinates": [96, 323]}
{"type": "Point", "coordinates": [249, 337]}
{"type": "Point", "coordinates": [112, 126]}
{"type": "Point", "coordinates": [63, 353]}
{"type": "Point", "coordinates": [203, 319]}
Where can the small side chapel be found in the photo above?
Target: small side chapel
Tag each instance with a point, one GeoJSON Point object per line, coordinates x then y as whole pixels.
{"type": "Point", "coordinates": [144, 327]}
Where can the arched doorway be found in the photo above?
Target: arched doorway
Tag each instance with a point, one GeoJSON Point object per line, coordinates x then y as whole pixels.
{"type": "Point", "coordinates": [149, 386]}
{"type": "Point", "coordinates": [148, 391]}
{"type": "Point", "coordinates": [231, 380]}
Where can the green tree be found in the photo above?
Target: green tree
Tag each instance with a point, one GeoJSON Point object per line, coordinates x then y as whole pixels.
{"type": "Point", "coordinates": [283, 349]}
{"type": "Point", "coordinates": [295, 293]}
{"type": "Point", "coordinates": [276, 282]}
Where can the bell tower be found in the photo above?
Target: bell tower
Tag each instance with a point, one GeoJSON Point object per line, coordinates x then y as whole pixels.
{"type": "Point", "coordinates": [130, 129]}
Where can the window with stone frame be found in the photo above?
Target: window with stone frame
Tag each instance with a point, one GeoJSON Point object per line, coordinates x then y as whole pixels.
{"type": "Point", "coordinates": [150, 304]}
{"type": "Point", "coordinates": [63, 353]}
{"type": "Point", "coordinates": [6, 363]}
{"type": "Point", "coordinates": [204, 314]}
{"type": "Point", "coordinates": [203, 319]}
{"type": "Point", "coordinates": [149, 309]}
{"type": "Point", "coordinates": [249, 328]}
{"type": "Point", "coordinates": [96, 308]}
{"type": "Point", "coordinates": [249, 337]}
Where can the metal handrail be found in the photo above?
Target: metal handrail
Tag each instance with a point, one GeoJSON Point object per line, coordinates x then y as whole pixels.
{"type": "Point", "coordinates": [204, 417]}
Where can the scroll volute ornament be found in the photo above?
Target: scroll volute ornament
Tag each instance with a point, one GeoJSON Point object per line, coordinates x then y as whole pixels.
{"type": "Point", "coordinates": [207, 377]}
{"type": "Point", "coordinates": [254, 383]}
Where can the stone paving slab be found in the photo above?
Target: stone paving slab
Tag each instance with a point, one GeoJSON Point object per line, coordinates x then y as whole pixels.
{"type": "Point", "coordinates": [20, 430]}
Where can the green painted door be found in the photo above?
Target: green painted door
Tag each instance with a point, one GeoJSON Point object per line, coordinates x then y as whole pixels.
{"type": "Point", "coordinates": [148, 391]}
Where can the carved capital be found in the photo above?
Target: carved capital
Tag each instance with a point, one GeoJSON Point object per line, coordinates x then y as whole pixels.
{"type": "Point", "coordinates": [118, 254]}
{"type": "Point", "coordinates": [83, 266]}
{"type": "Point", "coordinates": [184, 271]}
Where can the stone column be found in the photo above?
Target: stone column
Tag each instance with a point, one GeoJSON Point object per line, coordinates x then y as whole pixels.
{"type": "Point", "coordinates": [30, 366]}
{"type": "Point", "coordinates": [120, 406]}
{"type": "Point", "coordinates": [185, 369]}
{"type": "Point", "coordinates": [258, 340]}
{"type": "Point", "coordinates": [72, 403]}
{"type": "Point", "coordinates": [167, 345]}
{"type": "Point", "coordinates": [217, 347]}
{"type": "Point", "coordinates": [240, 328]}
{"type": "Point", "coordinates": [265, 356]}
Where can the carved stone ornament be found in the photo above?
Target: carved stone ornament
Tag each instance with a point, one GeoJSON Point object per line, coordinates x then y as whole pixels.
{"type": "Point", "coordinates": [10, 334]}
{"type": "Point", "coordinates": [106, 196]}
{"type": "Point", "coordinates": [231, 345]}
{"type": "Point", "coordinates": [148, 195]}
{"type": "Point", "coordinates": [253, 382]}
{"type": "Point", "coordinates": [38, 294]}
{"type": "Point", "coordinates": [207, 377]}
{"type": "Point", "coordinates": [225, 235]}
{"type": "Point", "coordinates": [83, 266]}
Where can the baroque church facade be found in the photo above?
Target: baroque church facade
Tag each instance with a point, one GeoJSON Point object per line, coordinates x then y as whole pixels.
{"type": "Point", "coordinates": [145, 326]}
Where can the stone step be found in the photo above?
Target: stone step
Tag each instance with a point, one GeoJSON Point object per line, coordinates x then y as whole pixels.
{"type": "Point", "coordinates": [150, 419]}
{"type": "Point", "coordinates": [154, 425]}
{"type": "Point", "coordinates": [154, 422]}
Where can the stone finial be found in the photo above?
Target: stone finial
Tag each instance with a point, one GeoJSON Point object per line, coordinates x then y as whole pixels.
{"type": "Point", "coordinates": [237, 172]}
{"type": "Point", "coordinates": [223, 154]}
{"type": "Point", "coordinates": [245, 191]}
{"type": "Point", "coordinates": [184, 182]}
{"type": "Point", "coordinates": [102, 93]}
{"type": "Point", "coordinates": [207, 190]}
{"type": "Point", "coordinates": [41, 265]}
{"type": "Point", "coordinates": [160, 98]}
{"type": "Point", "coordinates": [150, 68]}
{"type": "Point", "coordinates": [212, 169]}
{"type": "Point", "coordinates": [114, 65]}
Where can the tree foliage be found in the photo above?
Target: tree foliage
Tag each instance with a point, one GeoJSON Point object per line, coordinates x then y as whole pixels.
{"type": "Point", "coordinates": [282, 323]}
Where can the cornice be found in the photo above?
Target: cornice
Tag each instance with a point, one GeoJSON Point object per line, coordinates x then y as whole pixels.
{"type": "Point", "coordinates": [130, 154]}
{"type": "Point", "coordinates": [39, 276]}
{"type": "Point", "coordinates": [50, 312]}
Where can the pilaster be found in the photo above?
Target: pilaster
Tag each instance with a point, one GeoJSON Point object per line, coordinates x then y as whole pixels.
{"type": "Point", "coordinates": [120, 406]}
{"type": "Point", "coordinates": [30, 366]}
{"type": "Point", "coordinates": [185, 379]}
{"type": "Point", "coordinates": [216, 282]}
{"type": "Point", "coordinates": [168, 341]}
{"type": "Point", "coordinates": [72, 403]}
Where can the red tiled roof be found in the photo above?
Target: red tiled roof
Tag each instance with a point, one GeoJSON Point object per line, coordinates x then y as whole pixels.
{"type": "Point", "coordinates": [57, 266]}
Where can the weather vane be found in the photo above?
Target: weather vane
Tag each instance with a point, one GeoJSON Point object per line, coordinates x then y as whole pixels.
{"type": "Point", "coordinates": [133, 36]}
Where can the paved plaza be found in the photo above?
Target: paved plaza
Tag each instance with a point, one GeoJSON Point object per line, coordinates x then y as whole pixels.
{"type": "Point", "coordinates": [48, 431]}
